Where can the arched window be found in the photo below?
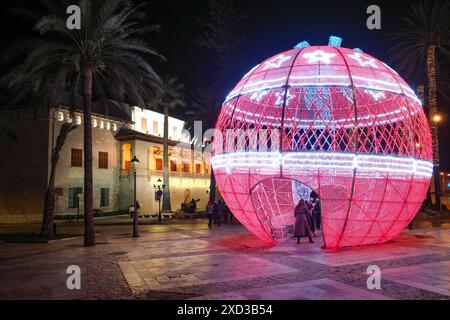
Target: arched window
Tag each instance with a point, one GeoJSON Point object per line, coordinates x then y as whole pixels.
{"type": "Point", "coordinates": [60, 116]}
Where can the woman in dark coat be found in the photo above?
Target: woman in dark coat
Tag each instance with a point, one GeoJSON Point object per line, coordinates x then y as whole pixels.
{"type": "Point", "coordinates": [310, 206]}
{"type": "Point", "coordinates": [301, 222]}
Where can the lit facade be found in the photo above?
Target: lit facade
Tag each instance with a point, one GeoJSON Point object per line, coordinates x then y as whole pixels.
{"type": "Point", "coordinates": [331, 120]}
{"type": "Point", "coordinates": [116, 140]}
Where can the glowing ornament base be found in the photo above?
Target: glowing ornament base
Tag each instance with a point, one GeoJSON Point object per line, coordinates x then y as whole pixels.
{"type": "Point", "coordinates": [387, 193]}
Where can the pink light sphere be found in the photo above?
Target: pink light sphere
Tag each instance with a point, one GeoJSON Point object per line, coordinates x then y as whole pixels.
{"type": "Point", "coordinates": [331, 120]}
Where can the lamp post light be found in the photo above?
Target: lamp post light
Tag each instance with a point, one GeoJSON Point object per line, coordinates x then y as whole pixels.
{"type": "Point", "coordinates": [437, 118]}
{"type": "Point", "coordinates": [159, 193]}
{"type": "Point", "coordinates": [135, 163]}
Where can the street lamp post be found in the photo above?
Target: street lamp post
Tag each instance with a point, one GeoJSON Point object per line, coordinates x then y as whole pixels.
{"type": "Point", "coordinates": [135, 163]}
{"type": "Point", "coordinates": [159, 193]}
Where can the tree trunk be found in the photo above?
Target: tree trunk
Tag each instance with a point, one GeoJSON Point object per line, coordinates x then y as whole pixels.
{"type": "Point", "coordinates": [166, 207]}
{"type": "Point", "coordinates": [89, 229]}
{"type": "Point", "coordinates": [433, 107]}
{"type": "Point", "coordinates": [49, 211]}
{"type": "Point", "coordinates": [212, 186]}
{"type": "Point", "coordinates": [50, 201]}
{"type": "Point", "coordinates": [421, 96]}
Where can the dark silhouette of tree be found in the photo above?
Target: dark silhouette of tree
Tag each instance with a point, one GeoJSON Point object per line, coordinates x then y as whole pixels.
{"type": "Point", "coordinates": [170, 96]}
{"type": "Point", "coordinates": [107, 55]}
{"type": "Point", "coordinates": [223, 40]}
{"type": "Point", "coordinates": [50, 196]}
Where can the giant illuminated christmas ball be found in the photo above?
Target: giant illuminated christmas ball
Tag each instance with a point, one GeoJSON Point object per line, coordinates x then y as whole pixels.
{"type": "Point", "coordinates": [331, 120]}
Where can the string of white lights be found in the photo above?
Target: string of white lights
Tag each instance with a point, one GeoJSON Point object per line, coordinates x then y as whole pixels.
{"type": "Point", "coordinates": [367, 163]}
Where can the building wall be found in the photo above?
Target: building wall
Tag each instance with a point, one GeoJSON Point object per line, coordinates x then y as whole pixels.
{"type": "Point", "coordinates": [148, 176]}
{"type": "Point", "coordinates": [155, 124]}
{"type": "Point", "coordinates": [71, 177]}
{"type": "Point", "coordinates": [23, 168]}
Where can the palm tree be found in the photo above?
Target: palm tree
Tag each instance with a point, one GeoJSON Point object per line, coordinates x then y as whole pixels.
{"type": "Point", "coordinates": [171, 95]}
{"type": "Point", "coordinates": [49, 203]}
{"type": "Point", "coordinates": [105, 55]}
{"type": "Point", "coordinates": [205, 107]}
{"type": "Point", "coordinates": [223, 39]}
{"type": "Point", "coordinates": [423, 39]}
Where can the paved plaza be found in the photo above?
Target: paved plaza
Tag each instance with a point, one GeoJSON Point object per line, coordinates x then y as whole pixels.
{"type": "Point", "coordinates": [186, 260]}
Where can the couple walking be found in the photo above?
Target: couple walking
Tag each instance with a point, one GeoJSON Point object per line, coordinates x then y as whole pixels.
{"type": "Point", "coordinates": [305, 212]}
{"type": "Point", "coordinates": [216, 212]}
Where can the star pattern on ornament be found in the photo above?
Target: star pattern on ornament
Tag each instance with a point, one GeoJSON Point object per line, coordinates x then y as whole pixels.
{"type": "Point", "coordinates": [376, 95]}
{"type": "Point", "coordinates": [319, 56]}
{"type": "Point", "coordinates": [363, 61]}
{"type": "Point", "coordinates": [258, 96]}
{"type": "Point", "coordinates": [275, 62]}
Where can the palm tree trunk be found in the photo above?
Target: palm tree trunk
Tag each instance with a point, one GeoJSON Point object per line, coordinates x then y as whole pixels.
{"type": "Point", "coordinates": [89, 229]}
{"type": "Point", "coordinates": [49, 204]}
{"type": "Point", "coordinates": [212, 186]}
{"type": "Point", "coordinates": [421, 96]}
{"type": "Point", "coordinates": [166, 207]}
{"type": "Point", "coordinates": [433, 107]}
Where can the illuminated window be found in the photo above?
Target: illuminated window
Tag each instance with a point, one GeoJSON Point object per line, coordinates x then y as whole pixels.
{"type": "Point", "coordinates": [60, 116]}
{"type": "Point", "coordinates": [78, 120]}
{"type": "Point", "coordinates": [114, 127]}
{"type": "Point", "coordinates": [173, 166]}
{"type": "Point", "coordinates": [94, 123]}
{"type": "Point", "coordinates": [144, 124]}
{"type": "Point", "coordinates": [159, 164]}
{"type": "Point", "coordinates": [102, 125]}
{"type": "Point", "coordinates": [155, 128]}
{"type": "Point", "coordinates": [108, 126]}
{"type": "Point", "coordinates": [198, 168]}
{"type": "Point", "coordinates": [103, 160]}
{"type": "Point", "coordinates": [104, 197]}
{"type": "Point", "coordinates": [77, 158]}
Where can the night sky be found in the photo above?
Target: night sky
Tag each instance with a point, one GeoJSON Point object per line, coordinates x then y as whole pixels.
{"type": "Point", "coordinates": [269, 27]}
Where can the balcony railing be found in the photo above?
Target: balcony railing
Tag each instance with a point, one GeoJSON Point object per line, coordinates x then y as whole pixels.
{"type": "Point", "coordinates": [127, 173]}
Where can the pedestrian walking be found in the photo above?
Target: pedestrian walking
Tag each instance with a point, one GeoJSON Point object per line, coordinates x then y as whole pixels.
{"type": "Point", "coordinates": [216, 214]}
{"type": "Point", "coordinates": [310, 206]}
{"type": "Point", "coordinates": [317, 214]}
{"type": "Point", "coordinates": [301, 222]}
{"type": "Point", "coordinates": [220, 212]}
{"type": "Point", "coordinates": [210, 212]}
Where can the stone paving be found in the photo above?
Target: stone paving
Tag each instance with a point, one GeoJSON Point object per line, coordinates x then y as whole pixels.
{"type": "Point", "coordinates": [186, 260]}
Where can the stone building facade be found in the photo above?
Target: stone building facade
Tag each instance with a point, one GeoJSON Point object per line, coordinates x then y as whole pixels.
{"type": "Point", "coordinates": [117, 138]}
